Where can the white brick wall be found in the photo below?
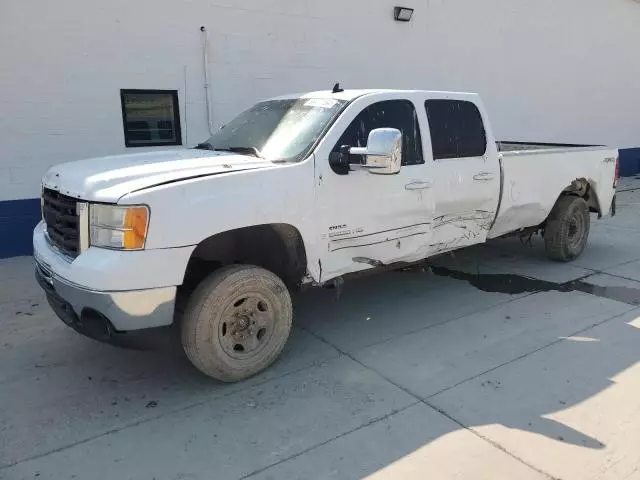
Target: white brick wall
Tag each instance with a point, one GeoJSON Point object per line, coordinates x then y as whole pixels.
{"type": "Point", "coordinates": [549, 71]}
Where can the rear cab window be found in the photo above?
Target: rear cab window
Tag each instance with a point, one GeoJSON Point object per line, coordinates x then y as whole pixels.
{"type": "Point", "coordinates": [456, 128]}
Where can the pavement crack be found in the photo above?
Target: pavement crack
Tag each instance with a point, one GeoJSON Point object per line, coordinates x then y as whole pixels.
{"type": "Point", "coordinates": [615, 265]}
{"type": "Point", "coordinates": [156, 417]}
{"type": "Point", "coordinates": [433, 407]}
{"type": "Point", "coordinates": [489, 441]}
{"type": "Point", "coordinates": [427, 327]}
{"type": "Point", "coordinates": [524, 355]}
{"type": "Point", "coordinates": [621, 276]}
{"type": "Point", "coordinates": [426, 401]}
{"type": "Point", "coordinates": [325, 442]}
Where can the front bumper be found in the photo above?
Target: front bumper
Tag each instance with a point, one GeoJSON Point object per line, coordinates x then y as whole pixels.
{"type": "Point", "coordinates": [99, 314]}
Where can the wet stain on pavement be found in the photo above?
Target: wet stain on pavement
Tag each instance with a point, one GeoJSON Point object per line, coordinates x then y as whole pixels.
{"type": "Point", "coordinates": [513, 284]}
{"type": "Point", "coordinates": [621, 294]}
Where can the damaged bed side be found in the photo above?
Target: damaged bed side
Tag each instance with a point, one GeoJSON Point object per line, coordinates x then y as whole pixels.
{"type": "Point", "coordinates": [535, 175]}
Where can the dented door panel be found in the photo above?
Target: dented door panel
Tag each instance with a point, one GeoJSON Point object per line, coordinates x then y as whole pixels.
{"type": "Point", "coordinates": [466, 173]}
{"type": "Point", "coordinates": [366, 220]}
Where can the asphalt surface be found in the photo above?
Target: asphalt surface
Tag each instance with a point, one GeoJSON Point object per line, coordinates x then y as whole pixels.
{"type": "Point", "coordinates": [463, 371]}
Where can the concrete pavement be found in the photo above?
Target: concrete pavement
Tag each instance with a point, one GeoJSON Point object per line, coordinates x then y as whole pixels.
{"type": "Point", "coordinates": [409, 375]}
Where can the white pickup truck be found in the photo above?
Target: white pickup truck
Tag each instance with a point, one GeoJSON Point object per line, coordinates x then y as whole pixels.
{"type": "Point", "coordinates": [297, 190]}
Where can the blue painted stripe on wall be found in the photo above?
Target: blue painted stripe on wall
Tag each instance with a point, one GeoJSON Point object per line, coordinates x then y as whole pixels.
{"type": "Point", "coordinates": [17, 221]}
{"type": "Point", "coordinates": [19, 217]}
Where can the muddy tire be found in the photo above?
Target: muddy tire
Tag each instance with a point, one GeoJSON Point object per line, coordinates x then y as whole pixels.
{"type": "Point", "coordinates": [567, 229]}
{"type": "Point", "coordinates": [236, 322]}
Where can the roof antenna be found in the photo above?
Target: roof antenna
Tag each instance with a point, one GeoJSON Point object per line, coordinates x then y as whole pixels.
{"type": "Point", "coordinates": [337, 89]}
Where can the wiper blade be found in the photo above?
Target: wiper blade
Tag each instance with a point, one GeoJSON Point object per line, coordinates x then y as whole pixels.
{"type": "Point", "coordinates": [250, 150]}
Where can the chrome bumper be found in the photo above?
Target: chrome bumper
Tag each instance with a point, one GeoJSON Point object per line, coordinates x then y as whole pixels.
{"type": "Point", "coordinates": [96, 313]}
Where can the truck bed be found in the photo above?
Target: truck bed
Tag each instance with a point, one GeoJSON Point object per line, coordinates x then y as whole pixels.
{"type": "Point", "coordinates": [533, 175]}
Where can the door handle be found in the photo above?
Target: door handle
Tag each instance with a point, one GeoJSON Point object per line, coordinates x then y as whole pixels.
{"type": "Point", "coordinates": [417, 185]}
{"type": "Point", "coordinates": [483, 176]}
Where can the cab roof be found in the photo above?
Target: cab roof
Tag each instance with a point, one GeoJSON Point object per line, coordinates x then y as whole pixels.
{"type": "Point", "coordinates": [349, 95]}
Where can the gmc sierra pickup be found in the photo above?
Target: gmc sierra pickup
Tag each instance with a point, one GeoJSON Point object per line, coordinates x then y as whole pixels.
{"type": "Point", "coordinates": [297, 190]}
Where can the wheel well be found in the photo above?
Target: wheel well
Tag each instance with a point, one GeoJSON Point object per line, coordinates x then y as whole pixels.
{"type": "Point", "coordinates": [581, 187]}
{"type": "Point", "coordinates": [277, 247]}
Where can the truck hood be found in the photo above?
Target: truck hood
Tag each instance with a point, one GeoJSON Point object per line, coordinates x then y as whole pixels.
{"type": "Point", "coordinates": [107, 179]}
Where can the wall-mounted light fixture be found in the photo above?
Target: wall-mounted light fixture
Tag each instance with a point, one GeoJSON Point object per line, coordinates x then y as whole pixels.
{"type": "Point", "coordinates": [402, 14]}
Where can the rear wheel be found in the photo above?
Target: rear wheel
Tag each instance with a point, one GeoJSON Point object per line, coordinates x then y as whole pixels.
{"type": "Point", "coordinates": [567, 229]}
{"type": "Point", "coordinates": [236, 322]}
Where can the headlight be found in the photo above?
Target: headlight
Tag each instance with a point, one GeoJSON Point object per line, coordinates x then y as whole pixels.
{"type": "Point", "coordinates": [122, 228]}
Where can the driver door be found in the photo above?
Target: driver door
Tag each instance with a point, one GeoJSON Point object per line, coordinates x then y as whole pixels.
{"type": "Point", "coordinates": [367, 219]}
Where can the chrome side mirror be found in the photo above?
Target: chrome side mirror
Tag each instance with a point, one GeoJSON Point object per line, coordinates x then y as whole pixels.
{"type": "Point", "coordinates": [383, 152]}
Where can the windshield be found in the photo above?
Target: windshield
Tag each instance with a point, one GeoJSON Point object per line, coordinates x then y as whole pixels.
{"type": "Point", "coordinates": [277, 129]}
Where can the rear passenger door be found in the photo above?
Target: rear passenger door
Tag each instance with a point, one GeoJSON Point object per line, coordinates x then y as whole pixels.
{"type": "Point", "coordinates": [465, 172]}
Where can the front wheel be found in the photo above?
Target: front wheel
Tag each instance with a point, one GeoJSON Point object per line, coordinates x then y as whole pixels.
{"type": "Point", "coordinates": [236, 322]}
{"type": "Point", "coordinates": [567, 229]}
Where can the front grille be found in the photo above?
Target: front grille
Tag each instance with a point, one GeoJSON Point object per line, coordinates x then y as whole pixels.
{"type": "Point", "coordinates": [62, 222]}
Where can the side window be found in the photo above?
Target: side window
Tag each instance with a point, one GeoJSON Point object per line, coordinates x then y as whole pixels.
{"type": "Point", "coordinates": [456, 129]}
{"type": "Point", "coordinates": [398, 114]}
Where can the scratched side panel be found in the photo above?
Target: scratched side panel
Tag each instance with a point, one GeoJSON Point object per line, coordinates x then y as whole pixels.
{"type": "Point", "coordinates": [455, 231]}
{"type": "Point", "coordinates": [465, 204]}
{"type": "Point", "coordinates": [346, 239]}
{"type": "Point", "coordinates": [364, 218]}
